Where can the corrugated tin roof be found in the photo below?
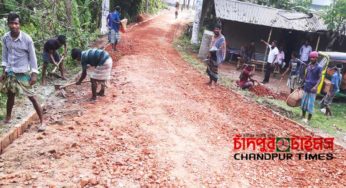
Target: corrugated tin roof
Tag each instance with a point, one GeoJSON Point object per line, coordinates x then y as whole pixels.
{"type": "Point", "coordinates": [261, 15]}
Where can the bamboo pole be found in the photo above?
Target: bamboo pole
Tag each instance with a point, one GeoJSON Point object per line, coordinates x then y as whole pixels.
{"type": "Point", "coordinates": [265, 53]}
{"type": "Point", "coordinates": [318, 42]}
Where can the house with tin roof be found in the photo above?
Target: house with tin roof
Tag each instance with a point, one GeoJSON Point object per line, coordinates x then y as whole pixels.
{"type": "Point", "coordinates": [243, 22]}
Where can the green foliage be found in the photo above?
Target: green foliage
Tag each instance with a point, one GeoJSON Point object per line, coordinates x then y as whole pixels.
{"type": "Point", "coordinates": [46, 19]}
{"type": "Point", "coordinates": [131, 8]}
{"type": "Point", "coordinates": [298, 5]}
{"type": "Point", "coordinates": [335, 16]}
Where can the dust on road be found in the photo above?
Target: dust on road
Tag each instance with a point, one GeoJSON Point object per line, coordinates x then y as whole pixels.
{"type": "Point", "coordinates": [159, 124]}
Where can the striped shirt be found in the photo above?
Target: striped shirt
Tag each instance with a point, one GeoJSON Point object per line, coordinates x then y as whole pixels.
{"type": "Point", "coordinates": [93, 57]}
{"type": "Point", "coordinates": [18, 55]}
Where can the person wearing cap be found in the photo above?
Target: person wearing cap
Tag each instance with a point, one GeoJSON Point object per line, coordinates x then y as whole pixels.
{"type": "Point", "coordinates": [271, 60]}
{"type": "Point", "coordinates": [113, 22]}
{"type": "Point", "coordinates": [328, 98]}
{"type": "Point", "coordinates": [217, 54]}
{"type": "Point", "coordinates": [311, 82]}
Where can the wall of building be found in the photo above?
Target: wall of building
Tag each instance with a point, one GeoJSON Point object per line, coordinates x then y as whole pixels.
{"type": "Point", "coordinates": [238, 34]}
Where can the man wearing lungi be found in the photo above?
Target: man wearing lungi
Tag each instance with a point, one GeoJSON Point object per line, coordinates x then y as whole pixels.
{"type": "Point", "coordinates": [311, 82]}
{"type": "Point", "coordinates": [294, 67]}
{"type": "Point", "coordinates": [328, 98]}
{"type": "Point", "coordinates": [218, 48]}
{"type": "Point", "coordinates": [18, 60]}
{"type": "Point", "coordinates": [102, 63]}
{"type": "Point", "coordinates": [50, 55]}
{"type": "Point", "coordinates": [114, 21]}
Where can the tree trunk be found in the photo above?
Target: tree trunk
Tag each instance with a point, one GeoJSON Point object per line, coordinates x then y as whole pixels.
{"type": "Point", "coordinates": [207, 4]}
{"type": "Point", "coordinates": [68, 6]}
{"type": "Point", "coordinates": [188, 4]}
{"type": "Point", "coordinates": [196, 23]}
{"type": "Point", "coordinates": [104, 14]}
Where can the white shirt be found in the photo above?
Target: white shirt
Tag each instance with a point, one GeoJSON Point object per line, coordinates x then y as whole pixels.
{"type": "Point", "coordinates": [18, 55]}
{"type": "Point", "coordinates": [304, 52]}
{"type": "Point", "coordinates": [272, 53]}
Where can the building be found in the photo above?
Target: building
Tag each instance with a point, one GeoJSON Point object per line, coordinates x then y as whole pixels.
{"type": "Point", "coordinates": [243, 22]}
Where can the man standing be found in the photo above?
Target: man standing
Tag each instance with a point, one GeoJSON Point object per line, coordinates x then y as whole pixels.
{"type": "Point", "coordinates": [114, 25]}
{"type": "Point", "coordinates": [271, 60]}
{"type": "Point", "coordinates": [328, 98]}
{"type": "Point", "coordinates": [249, 53]}
{"type": "Point", "coordinates": [304, 53]}
{"type": "Point", "coordinates": [219, 44]}
{"type": "Point", "coordinates": [50, 55]}
{"type": "Point", "coordinates": [101, 61]}
{"type": "Point", "coordinates": [294, 66]}
{"type": "Point", "coordinates": [18, 59]}
{"type": "Point", "coordinates": [176, 9]}
{"type": "Point", "coordinates": [311, 82]}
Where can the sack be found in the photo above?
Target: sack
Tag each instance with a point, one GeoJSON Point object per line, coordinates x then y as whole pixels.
{"type": "Point", "coordinates": [123, 24]}
{"type": "Point", "coordinates": [294, 99]}
{"type": "Point", "coordinates": [343, 82]}
{"type": "Point", "coordinates": [327, 85]}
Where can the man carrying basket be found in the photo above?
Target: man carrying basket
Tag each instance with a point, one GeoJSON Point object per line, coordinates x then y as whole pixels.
{"type": "Point", "coordinates": [311, 82]}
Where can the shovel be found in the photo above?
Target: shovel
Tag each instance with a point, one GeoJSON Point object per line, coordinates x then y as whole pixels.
{"type": "Point", "coordinates": [60, 86]}
{"type": "Point", "coordinates": [56, 67]}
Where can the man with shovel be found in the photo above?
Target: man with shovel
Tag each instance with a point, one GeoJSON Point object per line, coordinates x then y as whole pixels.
{"type": "Point", "coordinates": [102, 63]}
{"type": "Point", "coordinates": [50, 55]}
{"type": "Point", "coordinates": [19, 65]}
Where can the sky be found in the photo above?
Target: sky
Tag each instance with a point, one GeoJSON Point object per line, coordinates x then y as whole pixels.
{"type": "Point", "coordinates": [322, 2]}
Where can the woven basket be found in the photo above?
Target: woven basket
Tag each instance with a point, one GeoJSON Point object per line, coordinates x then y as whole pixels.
{"type": "Point", "coordinates": [327, 85]}
{"type": "Point", "coordinates": [294, 99]}
{"type": "Point", "coordinates": [123, 25]}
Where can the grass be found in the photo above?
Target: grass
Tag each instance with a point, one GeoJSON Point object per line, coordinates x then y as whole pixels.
{"type": "Point", "coordinates": [334, 125]}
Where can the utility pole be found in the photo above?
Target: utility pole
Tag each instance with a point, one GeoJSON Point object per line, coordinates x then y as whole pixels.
{"type": "Point", "coordinates": [196, 23]}
{"type": "Point", "coordinates": [105, 12]}
{"type": "Point", "coordinates": [147, 6]}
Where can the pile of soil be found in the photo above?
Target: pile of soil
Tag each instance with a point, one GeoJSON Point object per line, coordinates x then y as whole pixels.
{"type": "Point", "coordinates": [141, 18]}
{"type": "Point", "coordinates": [265, 92]}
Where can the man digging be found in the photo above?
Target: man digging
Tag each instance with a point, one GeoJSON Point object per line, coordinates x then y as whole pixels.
{"type": "Point", "coordinates": [50, 55]}
{"type": "Point", "coordinates": [18, 60]}
{"type": "Point", "coordinates": [102, 62]}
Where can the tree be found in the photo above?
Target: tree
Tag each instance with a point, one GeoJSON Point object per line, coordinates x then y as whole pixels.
{"type": "Point", "coordinates": [197, 21]}
{"type": "Point", "coordinates": [335, 18]}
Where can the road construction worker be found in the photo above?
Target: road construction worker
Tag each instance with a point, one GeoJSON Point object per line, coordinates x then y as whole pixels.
{"type": "Point", "coordinates": [102, 63]}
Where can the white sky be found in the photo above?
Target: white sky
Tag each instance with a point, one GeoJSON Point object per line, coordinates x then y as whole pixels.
{"type": "Point", "coordinates": [322, 2]}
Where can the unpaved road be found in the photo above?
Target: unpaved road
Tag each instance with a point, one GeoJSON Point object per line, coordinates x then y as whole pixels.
{"type": "Point", "coordinates": [159, 125]}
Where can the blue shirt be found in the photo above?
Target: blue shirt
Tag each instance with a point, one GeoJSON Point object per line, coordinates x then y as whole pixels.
{"type": "Point", "coordinates": [295, 66]}
{"type": "Point", "coordinates": [93, 57]}
{"type": "Point", "coordinates": [114, 19]}
{"type": "Point", "coordinates": [313, 73]}
{"type": "Point", "coordinates": [335, 82]}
